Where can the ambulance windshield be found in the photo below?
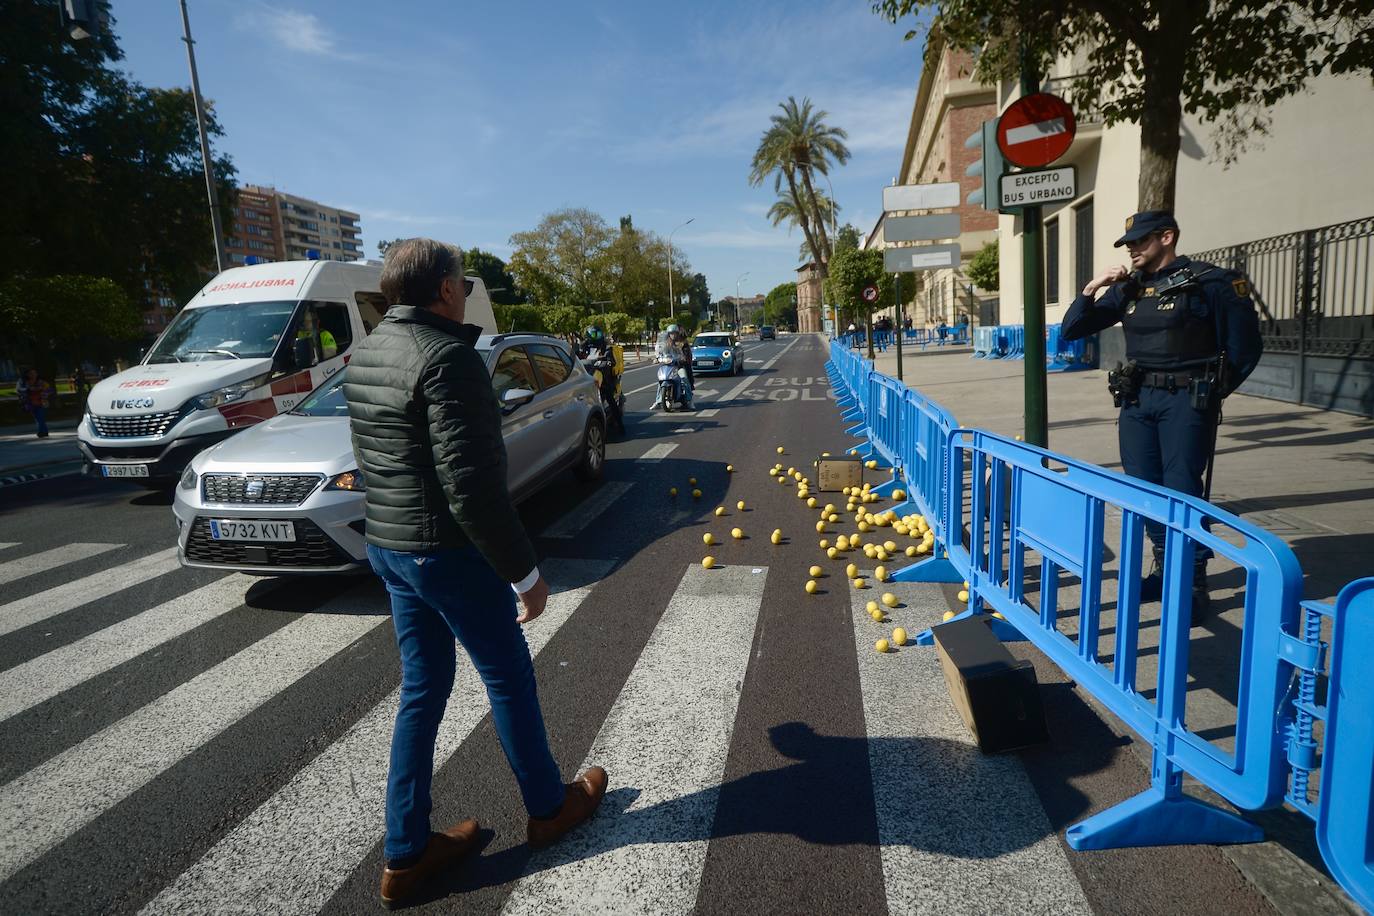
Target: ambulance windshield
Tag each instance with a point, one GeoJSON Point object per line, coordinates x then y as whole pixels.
{"type": "Point", "coordinates": [246, 330]}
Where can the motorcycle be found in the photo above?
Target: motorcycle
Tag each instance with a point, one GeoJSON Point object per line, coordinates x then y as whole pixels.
{"type": "Point", "coordinates": [672, 383]}
{"type": "Point", "coordinates": [612, 402]}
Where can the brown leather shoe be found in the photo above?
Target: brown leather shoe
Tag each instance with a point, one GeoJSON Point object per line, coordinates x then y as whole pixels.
{"type": "Point", "coordinates": [443, 851]}
{"type": "Point", "coordinates": [580, 801]}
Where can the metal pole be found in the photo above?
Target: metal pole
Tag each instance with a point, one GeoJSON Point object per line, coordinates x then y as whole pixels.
{"type": "Point", "coordinates": [671, 301]}
{"type": "Point", "coordinates": [216, 228]}
{"type": "Point", "coordinates": [897, 326]}
{"type": "Point", "coordinates": [1033, 294]}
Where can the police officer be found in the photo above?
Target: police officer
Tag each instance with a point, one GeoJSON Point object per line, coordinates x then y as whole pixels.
{"type": "Point", "coordinates": [1192, 337]}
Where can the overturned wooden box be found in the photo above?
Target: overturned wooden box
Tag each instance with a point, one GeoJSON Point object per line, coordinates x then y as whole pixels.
{"type": "Point", "coordinates": [996, 695]}
{"type": "Point", "coordinates": [834, 474]}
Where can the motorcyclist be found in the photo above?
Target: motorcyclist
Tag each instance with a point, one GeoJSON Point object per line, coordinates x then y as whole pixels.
{"type": "Point", "coordinates": [672, 342]}
{"type": "Point", "coordinates": [596, 352]}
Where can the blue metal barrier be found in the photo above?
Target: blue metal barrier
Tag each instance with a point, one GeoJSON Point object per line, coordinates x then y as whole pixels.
{"type": "Point", "coordinates": [984, 341]}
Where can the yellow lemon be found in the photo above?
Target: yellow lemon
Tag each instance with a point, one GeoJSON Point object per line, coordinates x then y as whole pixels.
{"type": "Point", "coordinates": [863, 526]}
{"type": "Point", "coordinates": [811, 587]}
{"type": "Point", "coordinates": [899, 495]}
{"type": "Point", "coordinates": [832, 518]}
{"type": "Point", "coordinates": [737, 533]}
{"type": "Point", "coordinates": [708, 562]}
{"type": "Point", "coordinates": [868, 551]}
{"type": "Point", "coordinates": [872, 608]}
{"type": "Point", "coordinates": [672, 491]}
{"type": "Point", "coordinates": [720, 510]}
{"type": "Point", "coordinates": [825, 454]}
{"type": "Point", "coordinates": [820, 527]}
{"type": "Point", "coordinates": [998, 615]}
{"type": "Point", "coordinates": [832, 553]}
{"type": "Point", "coordinates": [965, 583]}
{"type": "Point", "coordinates": [870, 464]}
{"type": "Point", "coordinates": [729, 469]}
{"type": "Point", "coordinates": [899, 637]}
{"type": "Point", "coordinates": [815, 572]}
{"type": "Point", "coordinates": [851, 570]}
{"type": "Point", "coordinates": [782, 479]}
{"type": "Point", "coordinates": [780, 450]}
{"type": "Point", "coordinates": [949, 615]}
{"type": "Point", "coordinates": [876, 614]}
{"type": "Point", "coordinates": [842, 542]}
{"type": "Point", "coordinates": [740, 505]}
{"type": "Point", "coordinates": [811, 503]}
{"type": "Point", "coordinates": [881, 554]}
{"type": "Point", "coordinates": [855, 540]}
{"type": "Point", "coordinates": [772, 472]}
{"type": "Point", "coordinates": [880, 573]}
{"type": "Point", "coordinates": [825, 542]}
{"type": "Point", "coordinates": [923, 548]}
{"type": "Point", "coordinates": [829, 507]}
{"type": "Point", "coordinates": [708, 539]}
{"type": "Point", "coordinates": [890, 599]}
{"type": "Point", "coordinates": [890, 546]}
{"type": "Point", "coordinates": [860, 583]}
{"type": "Point", "coordinates": [691, 481]}
{"type": "Point", "coordinates": [881, 646]}
{"type": "Point", "coordinates": [911, 551]}
{"type": "Point", "coordinates": [791, 471]}
{"type": "Point", "coordinates": [776, 537]}
{"type": "Point", "coordinates": [696, 494]}
{"type": "Point", "coordinates": [963, 595]}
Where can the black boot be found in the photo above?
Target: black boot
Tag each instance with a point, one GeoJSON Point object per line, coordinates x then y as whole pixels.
{"type": "Point", "coordinates": [1152, 586]}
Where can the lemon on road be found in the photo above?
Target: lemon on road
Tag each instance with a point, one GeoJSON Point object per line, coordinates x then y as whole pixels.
{"type": "Point", "coordinates": [881, 646]}
{"type": "Point", "coordinates": [949, 615]}
{"type": "Point", "coordinates": [672, 491]}
{"type": "Point", "coordinates": [963, 595]}
{"type": "Point", "coordinates": [890, 599]}
{"type": "Point", "coordinates": [872, 607]}
{"type": "Point", "coordinates": [831, 552]}
{"type": "Point", "coordinates": [860, 583]}
{"type": "Point", "coordinates": [880, 573]}
{"type": "Point", "coordinates": [729, 469]}
{"type": "Point", "coordinates": [720, 510]}
{"type": "Point", "coordinates": [696, 494]}
{"type": "Point", "coordinates": [811, 587]}
{"type": "Point", "coordinates": [708, 539]}
{"type": "Point", "coordinates": [776, 536]}
{"type": "Point", "coordinates": [899, 637]}
{"type": "Point", "coordinates": [740, 505]}
{"type": "Point", "coordinates": [737, 533]}
{"type": "Point", "coordinates": [816, 572]}
{"type": "Point", "coordinates": [708, 562]}
{"type": "Point", "coordinates": [851, 571]}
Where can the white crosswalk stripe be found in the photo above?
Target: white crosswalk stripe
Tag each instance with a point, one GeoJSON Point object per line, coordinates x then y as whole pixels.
{"type": "Point", "coordinates": [666, 738]}
{"type": "Point", "coordinates": [344, 788]}
{"type": "Point", "coordinates": [19, 614]}
{"type": "Point", "coordinates": [586, 512]}
{"type": "Point", "coordinates": [49, 803]}
{"type": "Point", "coordinates": [44, 677]}
{"type": "Point", "coordinates": [937, 857]}
{"type": "Point", "coordinates": [47, 560]}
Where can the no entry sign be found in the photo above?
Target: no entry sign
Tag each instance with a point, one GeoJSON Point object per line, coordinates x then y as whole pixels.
{"type": "Point", "coordinates": [870, 293]}
{"type": "Point", "coordinates": [1035, 130]}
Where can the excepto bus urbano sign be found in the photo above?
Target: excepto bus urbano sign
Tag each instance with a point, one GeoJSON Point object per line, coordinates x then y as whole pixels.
{"type": "Point", "coordinates": [1041, 186]}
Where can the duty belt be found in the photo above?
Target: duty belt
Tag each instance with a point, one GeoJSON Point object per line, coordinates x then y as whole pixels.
{"type": "Point", "coordinates": [1151, 378]}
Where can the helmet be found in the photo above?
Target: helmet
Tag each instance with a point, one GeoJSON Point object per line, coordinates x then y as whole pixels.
{"type": "Point", "coordinates": [595, 333]}
{"type": "Point", "coordinates": [673, 329]}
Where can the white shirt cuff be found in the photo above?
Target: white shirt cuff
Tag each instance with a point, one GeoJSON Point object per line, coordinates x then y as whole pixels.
{"type": "Point", "coordinates": [526, 583]}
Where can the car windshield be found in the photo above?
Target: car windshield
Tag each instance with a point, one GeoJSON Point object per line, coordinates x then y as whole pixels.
{"type": "Point", "coordinates": [326, 400]}
{"type": "Point", "coordinates": [242, 330]}
{"type": "Point", "coordinates": [712, 340]}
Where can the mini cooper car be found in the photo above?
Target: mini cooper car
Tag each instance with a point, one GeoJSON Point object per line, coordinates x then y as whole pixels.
{"type": "Point", "coordinates": [717, 351]}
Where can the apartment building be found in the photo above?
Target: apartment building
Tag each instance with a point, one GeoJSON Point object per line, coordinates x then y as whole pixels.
{"type": "Point", "coordinates": [254, 227]}
{"type": "Point", "coordinates": [273, 225]}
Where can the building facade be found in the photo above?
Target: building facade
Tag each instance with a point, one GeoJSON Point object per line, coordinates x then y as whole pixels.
{"type": "Point", "coordinates": [254, 228]}
{"type": "Point", "coordinates": [272, 225]}
{"type": "Point", "coordinates": [810, 309]}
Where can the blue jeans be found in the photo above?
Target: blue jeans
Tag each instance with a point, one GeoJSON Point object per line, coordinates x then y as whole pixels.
{"type": "Point", "coordinates": [436, 597]}
{"type": "Point", "coordinates": [40, 416]}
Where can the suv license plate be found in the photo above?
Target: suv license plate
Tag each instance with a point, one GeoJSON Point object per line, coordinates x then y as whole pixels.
{"type": "Point", "coordinates": [239, 529]}
{"type": "Point", "coordinates": [124, 470]}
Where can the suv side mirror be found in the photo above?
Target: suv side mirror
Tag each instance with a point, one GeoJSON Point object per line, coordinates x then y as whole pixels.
{"type": "Point", "coordinates": [512, 398]}
{"type": "Point", "coordinates": [303, 352]}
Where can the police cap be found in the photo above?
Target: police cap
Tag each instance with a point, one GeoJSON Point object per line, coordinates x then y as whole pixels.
{"type": "Point", "coordinates": [1145, 222]}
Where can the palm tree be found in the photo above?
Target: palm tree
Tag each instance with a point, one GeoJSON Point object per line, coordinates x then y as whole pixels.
{"type": "Point", "coordinates": [784, 210]}
{"type": "Point", "coordinates": [798, 143]}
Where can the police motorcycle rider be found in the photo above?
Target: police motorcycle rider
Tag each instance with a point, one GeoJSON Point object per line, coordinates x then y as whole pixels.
{"type": "Point", "coordinates": [672, 343]}
{"type": "Point", "coordinates": [1192, 338]}
{"type": "Point", "coordinates": [596, 354]}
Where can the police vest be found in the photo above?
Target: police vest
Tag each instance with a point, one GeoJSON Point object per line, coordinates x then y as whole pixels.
{"type": "Point", "coordinates": [1168, 333]}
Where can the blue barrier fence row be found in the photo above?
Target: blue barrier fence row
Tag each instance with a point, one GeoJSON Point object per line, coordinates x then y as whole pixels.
{"type": "Point", "coordinates": [994, 504]}
{"type": "Point", "coordinates": [920, 337]}
{"type": "Point", "coordinates": [1008, 341]}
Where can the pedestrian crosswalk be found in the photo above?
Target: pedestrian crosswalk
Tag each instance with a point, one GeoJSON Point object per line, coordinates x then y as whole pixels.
{"type": "Point", "coordinates": [665, 738]}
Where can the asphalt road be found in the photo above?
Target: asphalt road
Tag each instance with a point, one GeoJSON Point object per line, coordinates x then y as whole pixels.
{"type": "Point", "coordinates": [177, 741]}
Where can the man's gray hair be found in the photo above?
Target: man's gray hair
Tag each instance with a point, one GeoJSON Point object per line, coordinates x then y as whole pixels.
{"type": "Point", "coordinates": [414, 270]}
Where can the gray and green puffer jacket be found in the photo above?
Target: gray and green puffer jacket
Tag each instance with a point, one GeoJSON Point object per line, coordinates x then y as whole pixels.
{"type": "Point", "coordinates": [427, 435]}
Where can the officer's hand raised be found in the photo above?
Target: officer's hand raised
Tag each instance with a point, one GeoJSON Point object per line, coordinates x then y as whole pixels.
{"type": "Point", "coordinates": [1107, 278]}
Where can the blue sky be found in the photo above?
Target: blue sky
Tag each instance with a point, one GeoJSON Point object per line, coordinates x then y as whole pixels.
{"type": "Point", "coordinates": [468, 121]}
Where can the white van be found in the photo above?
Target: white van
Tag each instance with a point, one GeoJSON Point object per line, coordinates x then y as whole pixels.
{"type": "Point", "coordinates": [250, 345]}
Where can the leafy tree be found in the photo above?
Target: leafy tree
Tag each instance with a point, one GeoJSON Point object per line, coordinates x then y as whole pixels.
{"type": "Point", "coordinates": [69, 314]}
{"type": "Point", "coordinates": [848, 237]}
{"type": "Point", "coordinates": [983, 268]}
{"type": "Point", "coordinates": [687, 321]}
{"type": "Point", "coordinates": [494, 275]}
{"type": "Point", "coordinates": [698, 294]}
{"type": "Point", "coordinates": [617, 325]}
{"type": "Point", "coordinates": [851, 271]}
{"type": "Point", "coordinates": [780, 305]}
{"type": "Point", "coordinates": [1148, 63]}
{"type": "Point", "coordinates": [566, 321]}
{"type": "Point", "coordinates": [518, 317]}
{"type": "Point", "coordinates": [560, 260]}
{"type": "Point", "coordinates": [102, 175]}
{"type": "Point", "coordinates": [798, 144]}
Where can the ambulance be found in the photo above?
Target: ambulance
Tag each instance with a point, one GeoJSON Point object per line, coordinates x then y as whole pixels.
{"type": "Point", "coordinates": [250, 345]}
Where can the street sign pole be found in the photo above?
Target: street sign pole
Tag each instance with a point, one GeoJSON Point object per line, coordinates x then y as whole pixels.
{"type": "Point", "coordinates": [1033, 293]}
{"type": "Point", "coordinates": [897, 325]}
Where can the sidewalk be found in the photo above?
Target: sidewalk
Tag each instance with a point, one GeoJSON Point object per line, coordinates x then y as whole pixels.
{"type": "Point", "coordinates": [21, 449]}
{"type": "Point", "coordinates": [1304, 474]}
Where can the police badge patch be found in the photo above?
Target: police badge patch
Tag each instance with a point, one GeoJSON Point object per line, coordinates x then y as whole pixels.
{"type": "Point", "coordinates": [1241, 287]}
{"type": "Point", "coordinates": [1130, 221]}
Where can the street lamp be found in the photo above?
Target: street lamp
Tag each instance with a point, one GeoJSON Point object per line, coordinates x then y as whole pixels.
{"type": "Point", "coordinates": [737, 283]}
{"type": "Point", "coordinates": [671, 300]}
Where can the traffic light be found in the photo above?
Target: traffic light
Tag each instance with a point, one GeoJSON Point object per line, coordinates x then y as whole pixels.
{"type": "Point", "coordinates": [83, 18]}
{"type": "Point", "coordinates": [991, 166]}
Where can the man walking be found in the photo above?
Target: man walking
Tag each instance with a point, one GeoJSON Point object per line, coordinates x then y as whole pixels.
{"type": "Point", "coordinates": [443, 535]}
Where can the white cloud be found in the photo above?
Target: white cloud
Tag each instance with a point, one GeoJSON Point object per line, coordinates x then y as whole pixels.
{"type": "Point", "coordinates": [292, 29]}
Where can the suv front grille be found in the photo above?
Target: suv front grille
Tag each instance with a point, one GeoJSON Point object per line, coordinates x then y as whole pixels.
{"type": "Point", "coordinates": [312, 549]}
{"type": "Point", "coordinates": [127, 427]}
{"type": "Point", "coordinates": [259, 489]}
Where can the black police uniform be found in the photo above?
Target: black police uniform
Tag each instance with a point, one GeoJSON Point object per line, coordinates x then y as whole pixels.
{"type": "Point", "coordinates": [1182, 339]}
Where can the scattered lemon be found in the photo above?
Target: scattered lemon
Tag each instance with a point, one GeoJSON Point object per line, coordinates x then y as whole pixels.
{"type": "Point", "coordinates": [963, 595]}
{"type": "Point", "coordinates": [923, 548]}
{"type": "Point", "coordinates": [811, 503]}
{"type": "Point", "coordinates": [791, 472]}
{"type": "Point", "coordinates": [998, 615]}
{"type": "Point", "coordinates": [851, 570]}
{"type": "Point", "coordinates": [911, 551]}
{"type": "Point", "coordinates": [870, 464]}
{"type": "Point", "coordinates": [876, 614]}
{"type": "Point", "coordinates": [829, 507]}
{"type": "Point", "coordinates": [692, 481]}
{"type": "Point", "coordinates": [708, 562]}
{"type": "Point", "coordinates": [737, 533]}
{"type": "Point", "coordinates": [780, 449]}
{"type": "Point", "coordinates": [708, 539]}
{"type": "Point", "coordinates": [965, 583]}
{"type": "Point", "coordinates": [832, 518]}
{"type": "Point", "coordinates": [859, 583]}
{"type": "Point", "coordinates": [672, 491]}
{"type": "Point", "coordinates": [881, 646]}
{"type": "Point", "coordinates": [868, 551]}
{"type": "Point", "coordinates": [729, 469]}
{"type": "Point", "coordinates": [776, 537]}
{"type": "Point", "coordinates": [863, 526]}
{"type": "Point", "coordinates": [899, 637]}
{"type": "Point", "coordinates": [949, 615]}
{"type": "Point", "coordinates": [890, 546]}
{"type": "Point", "coordinates": [696, 494]}
{"type": "Point", "coordinates": [772, 472]}
{"type": "Point", "coordinates": [832, 553]}
{"type": "Point", "coordinates": [881, 554]}
{"type": "Point", "coordinates": [873, 608]}
{"type": "Point", "coordinates": [1018, 438]}
{"type": "Point", "coordinates": [899, 495]}
{"type": "Point", "coordinates": [811, 587]}
{"type": "Point", "coordinates": [890, 599]}
{"type": "Point", "coordinates": [816, 572]}
{"type": "Point", "coordinates": [740, 505]}
{"type": "Point", "coordinates": [820, 527]}
{"type": "Point", "coordinates": [842, 542]}
{"type": "Point", "coordinates": [825, 542]}
{"type": "Point", "coordinates": [880, 574]}
{"type": "Point", "coordinates": [720, 510]}
{"type": "Point", "coordinates": [855, 540]}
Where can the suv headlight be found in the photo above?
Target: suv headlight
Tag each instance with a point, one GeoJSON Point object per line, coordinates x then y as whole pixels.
{"type": "Point", "coordinates": [230, 393]}
{"type": "Point", "coordinates": [188, 478]}
{"type": "Point", "coordinates": [348, 480]}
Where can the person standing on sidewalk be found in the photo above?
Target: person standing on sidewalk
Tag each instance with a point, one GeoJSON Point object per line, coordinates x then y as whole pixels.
{"type": "Point", "coordinates": [443, 534]}
{"type": "Point", "coordinates": [1192, 338]}
{"type": "Point", "coordinates": [35, 396]}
